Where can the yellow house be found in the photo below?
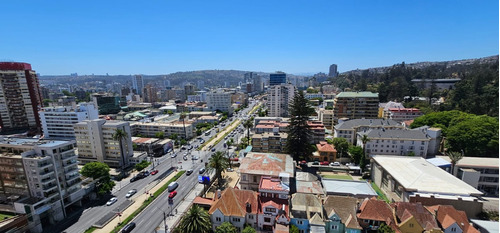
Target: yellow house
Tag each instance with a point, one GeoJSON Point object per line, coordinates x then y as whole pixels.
{"type": "Point", "coordinates": [414, 218]}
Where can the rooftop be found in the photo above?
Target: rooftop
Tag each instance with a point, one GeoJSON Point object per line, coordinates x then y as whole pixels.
{"type": "Point", "coordinates": [33, 142]}
{"type": "Point", "coordinates": [267, 164]}
{"type": "Point", "coordinates": [350, 124]}
{"type": "Point", "coordinates": [417, 175]}
{"type": "Point", "coordinates": [360, 94]}
{"type": "Point", "coordinates": [395, 134]}
{"type": "Point", "coordinates": [474, 161]}
{"type": "Point", "coordinates": [348, 187]}
{"type": "Point", "coordinates": [345, 208]}
{"type": "Point", "coordinates": [324, 146]}
{"type": "Point", "coordinates": [272, 184]}
{"type": "Point", "coordinates": [374, 209]}
{"type": "Point", "coordinates": [312, 187]}
{"type": "Point", "coordinates": [233, 202]}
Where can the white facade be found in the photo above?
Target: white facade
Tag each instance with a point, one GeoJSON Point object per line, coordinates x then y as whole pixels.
{"type": "Point", "coordinates": [149, 129]}
{"type": "Point", "coordinates": [279, 97]}
{"type": "Point", "coordinates": [96, 144]}
{"type": "Point", "coordinates": [395, 142]}
{"type": "Point", "coordinates": [138, 83]}
{"type": "Point", "coordinates": [219, 100]}
{"type": "Point", "coordinates": [58, 122]}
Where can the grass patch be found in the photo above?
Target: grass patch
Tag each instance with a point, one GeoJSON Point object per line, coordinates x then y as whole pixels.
{"type": "Point", "coordinates": [254, 109]}
{"type": "Point", "coordinates": [145, 204]}
{"type": "Point", "coordinates": [4, 215]}
{"type": "Point", "coordinates": [338, 177]}
{"type": "Point", "coordinates": [90, 229]}
{"type": "Point", "coordinates": [228, 132]}
{"type": "Point", "coordinates": [380, 194]}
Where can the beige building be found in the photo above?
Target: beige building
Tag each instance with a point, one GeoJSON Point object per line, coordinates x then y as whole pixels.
{"type": "Point", "coordinates": [96, 144]}
{"type": "Point", "coordinates": [269, 142]}
{"type": "Point", "coordinates": [256, 165]}
{"type": "Point", "coordinates": [326, 116]}
{"type": "Point", "coordinates": [356, 105]}
{"type": "Point", "coordinates": [150, 129]}
{"type": "Point", "coordinates": [279, 98]}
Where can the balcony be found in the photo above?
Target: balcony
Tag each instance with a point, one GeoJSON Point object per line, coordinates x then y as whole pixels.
{"type": "Point", "coordinates": [47, 180]}
{"type": "Point", "coordinates": [45, 174]}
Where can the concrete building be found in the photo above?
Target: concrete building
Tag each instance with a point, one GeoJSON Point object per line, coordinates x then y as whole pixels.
{"type": "Point", "coordinates": [349, 129]}
{"type": "Point", "coordinates": [479, 172]}
{"type": "Point", "coordinates": [185, 130]}
{"type": "Point", "coordinates": [96, 144]}
{"type": "Point", "coordinates": [350, 188]}
{"type": "Point", "coordinates": [397, 177]}
{"type": "Point", "coordinates": [395, 142]}
{"type": "Point", "coordinates": [279, 97]}
{"type": "Point", "coordinates": [306, 212]}
{"type": "Point", "coordinates": [138, 84]}
{"type": "Point", "coordinates": [189, 89]}
{"type": "Point", "coordinates": [269, 142]}
{"type": "Point", "coordinates": [20, 97]}
{"type": "Point", "coordinates": [355, 105]}
{"type": "Point", "coordinates": [39, 178]}
{"type": "Point", "coordinates": [150, 94]}
{"type": "Point", "coordinates": [383, 108]}
{"type": "Point", "coordinates": [106, 103]}
{"type": "Point", "coordinates": [219, 100]}
{"type": "Point", "coordinates": [257, 165]}
{"type": "Point", "coordinates": [317, 130]}
{"type": "Point", "coordinates": [333, 71]}
{"type": "Point", "coordinates": [58, 122]}
{"type": "Point", "coordinates": [326, 116]}
{"type": "Point", "coordinates": [402, 114]}
{"type": "Point", "coordinates": [277, 79]}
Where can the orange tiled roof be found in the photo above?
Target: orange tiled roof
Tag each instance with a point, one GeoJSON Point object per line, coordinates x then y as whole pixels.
{"type": "Point", "coordinates": [447, 215]}
{"type": "Point", "coordinates": [203, 201]}
{"type": "Point", "coordinates": [405, 210]}
{"type": "Point", "coordinates": [373, 209]}
{"type": "Point", "coordinates": [324, 146]}
{"type": "Point", "coordinates": [269, 183]}
{"type": "Point", "coordinates": [233, 202]}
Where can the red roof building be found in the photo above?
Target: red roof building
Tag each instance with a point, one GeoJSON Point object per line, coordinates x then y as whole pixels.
{"type": "Point", "coordinates": [451, 219]}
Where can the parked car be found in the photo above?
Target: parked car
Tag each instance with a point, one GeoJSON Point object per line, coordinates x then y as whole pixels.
{"type": "Point", "coordinates": [316, 163]}
{"type": "Point", "coordinates": [173, 155]}
{"type": "Point", "coordinates": [172, 194]}
{"type": "Point", "coordinates": [154, 172]}
{"type": "Point", "coordinates": [202, 170]}
{"type": "Point", "coordinates": [131, 193]}
{"type": "Point", "coordinates": [128, 228]}
{"type": "Point", "coordinates": [213, 150]}
{"type": "Point", "coordinates": [303, 163]}
{"type": "Point", "coordinates": [189, 172]}
{"type": "Point", "coordinates": [133, 179]}
{"type": "Point", "coordinates": [111, 201]}
{"type": "Point", "coordinates": [324, 163]}
{"type": "Point", "coordinates": [335, 164]}
{"type": "Point", "coordinates": [145, 173]}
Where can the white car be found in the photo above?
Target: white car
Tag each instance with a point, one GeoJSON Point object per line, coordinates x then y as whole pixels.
{"type": "Point", "coordinates": [131, 193]}
{"type": "Point", "coordinates": [335, 164]}
{"type": "Point", "coordinates": [111, 201]}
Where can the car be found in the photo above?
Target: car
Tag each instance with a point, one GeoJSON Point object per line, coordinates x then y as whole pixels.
{"type": "Point", "coordinates": [324, 163]}
{"type": "Point", "coordinates": [202, 170]}
{"type": "Point", "coordinates": [172, 194]}
{"type": "Point", "coordinates": [131, 193]}
{"type": "Point", "coordinates": [195, 158]}
{"type": "Point", "coordinates": [173, 155]}
{"type": "Point", "coordinates": [189, 172]}
{"type": "Point", "coordinates": [230, 170]}
{"type": "Point", "coordinates": [133, 179]}
{"type": "Point", "coordinates": [335, 164]}
{"type": "Point", "coordinates": [213, 150]}
{"type": "Point", "coordinates": [233, 159]}
{"type": "Point", "coordinates": [145, 173]}
{"type": "Point", "coordinates": [128, 228]}
{"type": "Point", "coordinates": [111, 201]}
{"type": "Point", "coordinates": [316, 163]}
{"type": "Point", "coordinates": [190, 147]}
{"type": "Point", "coordinates": [154, 172]}
{"type": "Point", "coordinates": [303, 162]}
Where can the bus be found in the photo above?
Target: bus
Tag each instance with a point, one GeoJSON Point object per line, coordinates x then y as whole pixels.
{"type": "Point", "coordinates": [208, 132]}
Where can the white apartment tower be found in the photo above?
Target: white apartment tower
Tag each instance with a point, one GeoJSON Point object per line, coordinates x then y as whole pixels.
{"type": "Point", "coordinates": [279, 97]}
{"type": "Point", "coordinates": [219, 100]}
{"type": "Point", "coordinates": [138, 83]}
{"type": "Point", "coordinates": [96, 144]}
{"type": "Point", "coordinates": [58, 122]}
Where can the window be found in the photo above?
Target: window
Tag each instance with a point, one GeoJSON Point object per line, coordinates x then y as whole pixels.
{"type": "Point", "coordinates": [270, 210]}
{"type": "Point", "coordinates": [334, 227]}
{"type": "Point", "coordinates": [218, 219]}
{"type": "Point", "coordinates": [236, 219]}
{"type": "Point", "coordinates": [299, 222]}
{"type": "Point", "coordinates": [411, 225]}
{"type": "Point", "coordinates": [244, 177]}
{"type": "Point", "coordinates": [454, 229]}
{"type": "Point", "coordinates": [302, 231]}
{"type": "Point", "coordinates": [250, 216]}
{"type": "Point", "coordinates": [267, 219]}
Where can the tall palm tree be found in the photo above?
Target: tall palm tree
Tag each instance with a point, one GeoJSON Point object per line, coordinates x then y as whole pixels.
{"type": "Point", "coordinates": [248, 124]}
{"type": "Point", "coordinates": [183, 117]}
{"type": "Point", "coordinates": [119, 135]}
{"type": "Point", "coordinates": [364, 140]}
{"type": "Point", "coordinates": [218, 163]}
{"type": "Point", "coordinates": [196, 220]}
{"type": "Point", "coordinates": [454, 157]}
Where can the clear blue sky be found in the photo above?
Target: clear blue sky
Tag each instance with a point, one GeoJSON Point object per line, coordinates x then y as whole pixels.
{"type": "Point", "coordinates": [159, 37]}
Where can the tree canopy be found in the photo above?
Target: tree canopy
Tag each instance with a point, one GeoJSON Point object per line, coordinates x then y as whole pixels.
{"type": "Point", "coordinates": [341, 145]}
{"type": "Point", "coordinates": [299, 133]}
{"type": "Point", "coordinates": [99, 172]}
{"type": "Point", "coordinates": [226, 227]}
{"type": "Point", "coordinates": [196, 220]}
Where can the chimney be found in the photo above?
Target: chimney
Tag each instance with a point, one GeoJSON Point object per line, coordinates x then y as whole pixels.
{"type": "Point", "coordinates": [248, 207]}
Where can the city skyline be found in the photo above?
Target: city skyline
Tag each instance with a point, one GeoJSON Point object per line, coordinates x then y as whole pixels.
{"type": "Point", "coordinates": [168, 37]}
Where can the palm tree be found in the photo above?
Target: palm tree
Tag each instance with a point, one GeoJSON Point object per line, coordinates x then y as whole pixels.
{"type": "Point", "coordinates": [364, 140]}
{"type": "Point", "coordinates": [454, 157]}
{"type": "Point", "coordinates": [248, 124]}
{"type": "Point", "coordinates": [119, 135]}
{"type": "Point", "coordinates": [218, 163]}
{"type": "Point", "coordinates": [196, 220]}
{"type": "Point", "coordinates": [183, 117]}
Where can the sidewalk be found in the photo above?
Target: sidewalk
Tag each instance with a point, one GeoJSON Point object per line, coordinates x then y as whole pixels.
{"type": "Point", "coordinates": [139, 198]}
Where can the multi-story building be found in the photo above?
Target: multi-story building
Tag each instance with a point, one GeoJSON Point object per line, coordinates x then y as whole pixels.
{"type": "Point", "coordinates": [239, 207]}
{"type": "Point", "coordinates": [269, 142]}
{"type": "Point", "coordinates": [395, 142]}
{"type": "Point", "coordinates": [96, 144]}
{"type": "Point", "coordinates": [185, 130]}
{"type": "Point", "coordinates": [355, 105]}
{"type": "Point", "coordinates": [277, 79]}
{"type": "Point", "coordinates": [58, 122]}
{"type": "Point", "coordinates": [258, 84]}
{"type": "Point", "coordinates": [349, 129]}
{"type": "Point", "coordinates": [137, 83]}
{"type": "Point", "coordinates": [200, 85]}
{"type": "Point", "coordinates": [341, 214]}
{"type": "Point", "coordinates": [40, 178]}
{"type": "Point", "coordinates": [219, 100]}
{"type": "Point", "coordinates": [333, 71]}
{"type": "Point", "coordinates": [317, 130]}
{"type": "Point", "coordinates": [106, 103]}
{"type": "Point", "coordinates": [256, 165]}
{"type": "Point", "coordinates": [20, 97]}
{"type": "Point", "coordinates": [150, 94]}
{"type": "Point", "coordinates": [307, 212]}
{"type": "Point", "coordinates": [326, 116]}
{"type": "Point", "coordinates": [189, 89]}
{"type": "Point", "coordinates": [403, 114]}
{"type": "Point", "coordinates": [383, 108]}
{"type": "Point", "coordinates": [279, 97]}
{"type": "Point", "coordinates": [326, 152]}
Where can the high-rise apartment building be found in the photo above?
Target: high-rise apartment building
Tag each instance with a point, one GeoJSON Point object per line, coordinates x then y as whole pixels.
{"type": "Point", "coordinates": [138, 83]}
{"type": "Point", "coordinates": [20, 97]}
{"type": "Point", "coordinates": [189, 89]}
{"type": "Point", "coordinates": [96, 144]}
{"type": "Point", "coordinates": [200, 84]}
{"type": "Point", "coordinates": [279, 98]}
{"type": "Point", "coordinates": [106, 103]}
{"type": "Point", "coordinates": [256, 81]}
{"type": "Point", "coordinates": [219, 100]}
{"type": "Point", "coordinates": [58, 122]}
{"type": "Point", "coordinates": [333, 71]}
{"type": "Point", "coordinates": [40, 178]}
{"type": "Point", "coordinates": [277, 78]}
{"type": "Point", "coordinates": [355, 105]}
{"type": "Point", "coordinates": [150, 94]}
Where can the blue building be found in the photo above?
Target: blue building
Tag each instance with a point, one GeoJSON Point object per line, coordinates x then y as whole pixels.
{"type": "Point", "coordinates": [306, 213]}
{"type": "Point", "coordinates": [341, 214]}
{"type": "Point", "coordinates": [277, 79]}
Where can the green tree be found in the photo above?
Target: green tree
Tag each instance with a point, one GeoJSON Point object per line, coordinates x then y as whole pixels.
{"type": "Point", "coordinates": [183, 118]}
{"type": "Point", "coordinates": [226, 227]}
{"type": "Point", "coordinates": [100, 172]}
{"type": "Point", "coordinates": [357, 156]}
{"type": "Point", "coordinates": [299, 133]}
{"type": "Point", "coordinates": [248, 229]}
{"type": "Point", "coordinates": [341, 145]}
{"type": "Point", "coordinates": [476, 136]}
{"type": "Point", "coordinates": [46, 102]}
{"type": "Point", "coordinates": [119, 136]}
{"type": "Point", "coordinates": [385, 229]}
{"type": "Point", "coordinates": [196, 220]}
{"type": "Point", "coordinates": [143, 164]}
{"type": "Point", "coordinates": [218, 163]}
{"type": "Point", "coordinates": [411, 154]}
{"type": "Point", "coordinates": [248, 124]}
{"type": "Point", "coordinates": [454, 157]}
{"type": "Point", "coordinates": [294, 229]}
{"type": "Point", "coordinates": [160, 135]}
{"type": "Point", "coordinates": [364, 140]}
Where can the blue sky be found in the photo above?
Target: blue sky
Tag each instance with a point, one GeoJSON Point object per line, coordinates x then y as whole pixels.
{"type": "Point", "coordinates": [160, 37]}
